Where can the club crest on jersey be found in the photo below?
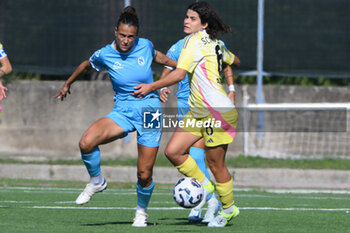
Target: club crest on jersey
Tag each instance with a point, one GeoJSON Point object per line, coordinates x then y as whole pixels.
{"type": "Point", "coordinates": [117, 66]}
{"type": "Point", "coordinates": [141, 61]}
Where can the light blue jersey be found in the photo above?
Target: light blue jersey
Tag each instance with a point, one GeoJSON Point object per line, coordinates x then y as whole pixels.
{"type": "Point", "coordinates": [184, 88]}
{"type": "Point", "coordinates": [2, 52]}
{"type": "Point", "coordinates": [127, 70]}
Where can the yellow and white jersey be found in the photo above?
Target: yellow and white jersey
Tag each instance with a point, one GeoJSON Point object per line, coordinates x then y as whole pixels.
{"type": "Point", "coordinates": [202, 58]}
{"type": "Point", "coordinates": [2, 52]}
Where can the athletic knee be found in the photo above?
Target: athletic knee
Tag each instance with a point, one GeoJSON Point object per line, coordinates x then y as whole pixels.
{"type": "Point", "coordinates": [85, 146]}
{"type": "Point", "coordinates": [171, 156]}
{"type": "Point", "coordinates": [144, 177]}
{"type": "Point", "coordinates": [172, 153]}
{"type": "Point", "coordinates": [168, 153]}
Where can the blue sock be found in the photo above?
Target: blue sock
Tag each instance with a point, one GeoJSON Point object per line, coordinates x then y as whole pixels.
{"type": "Point", "coordinates": [144, 194]}
{"type": "Point", "coordinates": [198, 155]}
{"type": "Point", "coordinates": [92, 162]}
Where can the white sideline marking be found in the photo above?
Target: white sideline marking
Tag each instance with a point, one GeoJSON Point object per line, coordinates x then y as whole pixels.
{"type": "Point", "coordinates": [132, 191]}
{"type": "Point", "coordinates": [239, 192]}
{"type": "Point", "coordinates": [42, 188]}
{"type": "Point", "coordinates": [293, 209]}
{"type": "Point", "coordinates": [307, 191]}
{"type": "Point", "coordinates": [297, 191]}
{"type": "Point", "coordinates": [179, 208]}
{"type": "Point", "coordinates": [18, 202]}
{"type": "Point", "coordinates": [288, 197]}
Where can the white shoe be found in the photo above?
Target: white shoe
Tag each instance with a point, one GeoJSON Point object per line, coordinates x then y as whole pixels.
{"type": "Point", "coordinates": [222, 219]}
{"type": "Point", "coordinates": [140, 219]}
{"type": "Point", "coordinates": [208, 189]}
{"type": "Point", "coordinates": [89, 191]}
{"type": "Point", "coordinates": [212, 210]}
{"type": "Point", "coordinates": [195, 215]}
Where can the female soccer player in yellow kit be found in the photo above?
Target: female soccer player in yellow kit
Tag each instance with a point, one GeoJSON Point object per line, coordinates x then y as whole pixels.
{"type": "Point", "coordinates": [212, 115]}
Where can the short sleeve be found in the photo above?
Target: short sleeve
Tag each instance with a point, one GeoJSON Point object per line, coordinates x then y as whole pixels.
{"type": "Point", "coordinates": [2, 52]}
{"type": "Point", "coordinates": [189, 58]}
{"type": "Point", "coordinates": [174, 53]}
{"type": "Point", "coordinates": [96, 61]}
{"type": "Point", "coordinates": [228, 57]}
{"type": "Point", "coordinates": [151, 47]}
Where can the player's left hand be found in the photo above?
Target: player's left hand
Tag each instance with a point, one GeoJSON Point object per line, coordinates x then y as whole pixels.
{"type": "Point", "coordinates": [142, 90]}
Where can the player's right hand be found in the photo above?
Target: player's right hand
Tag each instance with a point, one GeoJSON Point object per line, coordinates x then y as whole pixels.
{"type": "Point", "coordinates": [163, 95]}
{"type": "Point", "coordinates": [63, 93]}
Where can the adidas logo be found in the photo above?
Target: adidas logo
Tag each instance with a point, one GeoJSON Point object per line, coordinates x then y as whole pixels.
{"type": "Point", "coordinates": [210, 140]}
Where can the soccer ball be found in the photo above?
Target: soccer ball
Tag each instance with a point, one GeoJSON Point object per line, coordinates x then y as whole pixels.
{"type": "Point", "coordinates": [188, 192]}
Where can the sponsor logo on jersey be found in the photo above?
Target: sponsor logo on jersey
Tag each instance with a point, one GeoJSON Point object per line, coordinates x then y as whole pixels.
{"type": "Point", "coordinates": [210, 140]}
{"type": "Point", "coordinates": [117, 66]}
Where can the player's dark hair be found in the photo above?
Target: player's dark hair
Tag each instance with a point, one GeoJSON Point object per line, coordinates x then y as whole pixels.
{"type": "Point", "coordinates": [208, 15]}
{"type": "Point", "coordinates": [128, 16]}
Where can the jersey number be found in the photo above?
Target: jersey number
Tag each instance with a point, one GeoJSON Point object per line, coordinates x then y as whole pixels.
{"type": "Point", "coordinates": [209, 130]}
{"type": "Point", "coordinates": [219, 57]}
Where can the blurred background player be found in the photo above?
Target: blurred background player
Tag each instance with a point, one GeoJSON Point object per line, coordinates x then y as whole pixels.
{"type": "Point", "coordinates": [128, 60]}
{"type": "Point", "coordinates": [202, 57]}
{"type": "Point", "coordinates": [5, 69]}
{"type": "Point", "coordinates": [197, 151]}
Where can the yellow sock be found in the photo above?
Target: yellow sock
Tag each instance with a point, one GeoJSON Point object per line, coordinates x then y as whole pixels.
{"type": "Point", "coordinates": [225, 191]}
{"type": "Point", "coordinates": [190, 169]}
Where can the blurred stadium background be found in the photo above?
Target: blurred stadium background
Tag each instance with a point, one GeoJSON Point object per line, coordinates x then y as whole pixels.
{"type": "Point", "coordinates": [300, 39]}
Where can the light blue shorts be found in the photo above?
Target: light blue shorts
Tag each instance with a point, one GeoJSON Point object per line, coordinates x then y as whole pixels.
{"type": "Point", "coordinates": [137, 115]}
{"type": "Point", "coordinates": [182, 108]}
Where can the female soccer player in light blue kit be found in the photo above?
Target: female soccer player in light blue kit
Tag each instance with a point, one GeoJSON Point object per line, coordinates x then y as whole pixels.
{"type": "Point", "coordinates": [197, 151]}
{"type": "Point", "coordinates": [128, 60]}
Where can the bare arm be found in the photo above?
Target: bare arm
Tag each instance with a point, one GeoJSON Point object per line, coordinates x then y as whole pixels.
{"type": "Point", "coordinates": [82, 69]}
{"type": "Point", "coordinates": [6, 67]}
{"type": "Point", "coordinates": [229, 78]}
{"type": "Point", "coordinates": [174, 77]}
{"type": "Point", "coordinates": [163, 93]}
{"type": "Point", "coordinates": [236, 61]}
{"type": "Point", "coordinates": [162, 59]}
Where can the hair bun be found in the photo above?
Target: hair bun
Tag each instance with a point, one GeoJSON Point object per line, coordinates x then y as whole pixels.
{"type": "Point", "coordinates": [129, 10]}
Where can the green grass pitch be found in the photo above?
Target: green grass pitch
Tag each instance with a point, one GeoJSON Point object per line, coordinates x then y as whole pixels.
{"type": "Point", "coordinates": [42, 206]}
